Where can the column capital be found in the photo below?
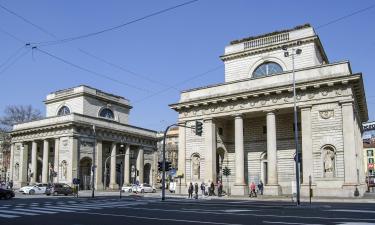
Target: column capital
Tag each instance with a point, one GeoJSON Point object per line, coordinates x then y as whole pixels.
{"type": "Point", "coordinates": [238, 115]}
{"type": "Point", "coordinates": [305, 107]}
{"type": "Point", "coordinates": [270, 111]}
{"type": "Point", "coordinates": [346, 102]}
{"type": "Point", "coordinates": [208, 119]}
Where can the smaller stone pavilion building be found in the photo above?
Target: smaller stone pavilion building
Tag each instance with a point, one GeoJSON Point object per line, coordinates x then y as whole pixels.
{"type": "Point", "coordinates": [79, 121]}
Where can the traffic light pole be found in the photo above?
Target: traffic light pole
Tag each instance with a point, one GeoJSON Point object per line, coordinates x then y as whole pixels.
{"type": "Point", "coordinates": [163, 171]}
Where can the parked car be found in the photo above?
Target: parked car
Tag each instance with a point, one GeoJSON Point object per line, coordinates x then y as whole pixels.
{"type": "Point", "coordinates": [370, 181]}
{"type": "Point", "coordinates": [129, 188]}
{"type": "Point", "coordinates": [145, 188]}
{"type": "Point", "coordinates": [39, 188]}
{"type": "Point", "coordinates": [59, 189]}
{"type": "Point", "coordinates": [6, 193]}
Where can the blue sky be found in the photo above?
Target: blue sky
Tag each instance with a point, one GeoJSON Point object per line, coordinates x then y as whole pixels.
{"type": "Point", "coordinates": [164, 50]}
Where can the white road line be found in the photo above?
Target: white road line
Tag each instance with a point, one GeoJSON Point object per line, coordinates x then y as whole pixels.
{"type": "Point", "coordinates": [66, 207]}
{"type": "Point", "coordinates": [53, 210]}
{"type": "Point", "coordinates": [277, 222]}
{"type": "Point", "coordinates": [352, 210]}
{"type": "Point", "coordinates": [8, 216]}
{"type": "Point", "coordinates": [83, 207]}
{"type": "Point", "coordinates": [160, 219]}
{"type": "Point", "coordinates": [21, 213]}
{"type": "Point", "coordinates": [36, 211]}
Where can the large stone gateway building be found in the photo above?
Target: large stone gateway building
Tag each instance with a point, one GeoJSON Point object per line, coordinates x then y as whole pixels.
{"type": "Point", "coordinates": [248, 119]}
{"type": "Point", "coordinates": [79, 122]}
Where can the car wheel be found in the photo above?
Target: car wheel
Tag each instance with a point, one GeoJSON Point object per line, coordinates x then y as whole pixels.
{"type": "Point", "coordinates": [32, 192]}
{"type": "Point", "coordinates": [142, 191]}
{"type": "Point", "coordinates": [7, 196]}
{"type": "Point", "coordinates": [55, 193]}
{"type": "Point", "coordinates": [130, 190]}
{"type": "Point", "coordinates": [153, 191]}
{"type": "Point", "coordinates": [66, 194]}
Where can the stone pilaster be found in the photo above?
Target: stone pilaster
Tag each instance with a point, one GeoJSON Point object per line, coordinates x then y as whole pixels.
{"type": "Point", "coordinates": [45, 161]}
{"type": "Point", "coordinates": [56, 159]}
{"type": "Point", "coordinates": [11, 168]}
{"type": "Point", "coordinates": [240, 185]}
{"type": "Point", "coordinates": [272, 187]}
{"type": "Point", "coordinates": [73, 168]}
{"type": "Point", "coordinates": [112, 177]}
{"type": "Point", "coordinates": [127, 165]}
{"type": "Point", "coordinates": [209, 132]}
{"type": "Point", "coordinates": [23, 165]}
{"type": "Point", "coordinates": [182, 153]}
{"type": "Point", "coordinates": [140, 164]}
{"type": "Point", "coordinates": [99, 165]}
{"type": "Point", "coordinates": [34, 152]}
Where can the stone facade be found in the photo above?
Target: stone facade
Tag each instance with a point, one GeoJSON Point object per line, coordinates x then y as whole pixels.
{"type": "Point", "coordinates": [248, 120]}
{"type": "Point", "coordinates": [83, 125]}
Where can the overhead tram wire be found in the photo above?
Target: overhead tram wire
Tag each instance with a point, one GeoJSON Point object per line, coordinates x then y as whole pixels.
{"type": "Point", "coordinates": [65, 40]}
{"type": "Point", "coordinates": [14, 54]}
{"type": "Point", "coordinates": [81, 50]}
{"type": "Point", "coordinates": [14, 61]}
{"type": "Point", "coordinates": [90, 71]}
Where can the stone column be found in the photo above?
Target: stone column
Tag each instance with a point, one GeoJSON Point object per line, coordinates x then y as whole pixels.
{"type": "Point", "coordinates": [307, 154]}
{"type": "Point", "coordinates": [127, 165]}
{"type": "Point", "coordinates": [112, 180]}
{"type": "Point", "coordinates": [182, 153]}
{"type": "Point", "coordinates": [272, 187]}
{"type": "Point", "coordinates": [56, 160]}
{"type": "Point", "coordinates": [45, 161]}
{"type": "Point", "coordinates": [209, 133]}
{"type": "Point", "coordinates": [350, 167]}
{"type": "Point", "coordinates": [11, 168]}
{"type": "Point", "coordinates": [239, 186]}
{"type": "Point", "coordinates": [73, 172]}
{"type": "Point", "coordinates": [34, 152]}
{"type": "Point", "coordinates": [140, 164]}
{"type": "Point", "coordinates": [23, 165]}
{"type": "Point", "coordinates": [99, 165]}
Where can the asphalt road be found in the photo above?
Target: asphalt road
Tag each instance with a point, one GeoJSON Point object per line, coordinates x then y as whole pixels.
{"type": "Point", "coordinates": [148, 210]}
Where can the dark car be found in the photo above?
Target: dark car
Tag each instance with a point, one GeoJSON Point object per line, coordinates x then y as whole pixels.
{"type": "Point", "coordinates": [59, 189]}
{"type": "Point", "coordinates": [6, 194]}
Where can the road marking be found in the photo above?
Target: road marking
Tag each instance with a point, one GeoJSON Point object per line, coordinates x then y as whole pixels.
{"type": "Point", "coordinates": [21, 213]}
{"type": "Point", "coordinates": [36, 211]}
{"type": "Point", "coordinates": [239, 210]}
{"type": "Point", "coordinates": [53, 210]}
{"type": "Point", "coordinates": [65, 207]}
{"type": "Point", "coordinates": [276, 222]}
{"type": "Point", "coordinates": [352, 210]}
{"type": "Point", "coordinates": [160, 219]}
{"type": "Point", "coordinates": [8, 216]}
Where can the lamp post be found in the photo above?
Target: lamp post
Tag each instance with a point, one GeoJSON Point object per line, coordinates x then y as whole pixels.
{"type": "Point", "coordinates": [293, 53]}
{"type": "Point", "coordinates": [93, 164]}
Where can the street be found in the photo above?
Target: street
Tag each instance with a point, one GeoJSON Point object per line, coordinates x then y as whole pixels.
{"type": "Point", "coordinates": [141, 210]}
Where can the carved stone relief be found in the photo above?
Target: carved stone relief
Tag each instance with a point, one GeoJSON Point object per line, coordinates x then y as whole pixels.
{"type": "Point", "coordinates": [326, 114]}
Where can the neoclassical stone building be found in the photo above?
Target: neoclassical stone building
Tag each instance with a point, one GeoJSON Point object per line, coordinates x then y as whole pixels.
{"type": "Point", "coordinates": [248, 119]}
{"type": "Point", "coordinates": [79, 121]}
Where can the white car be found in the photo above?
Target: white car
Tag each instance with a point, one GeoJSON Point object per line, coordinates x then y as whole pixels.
{"type": "Point", "coordinates": [129, 188]}
{"type": "Point", "coordinates": [34, 189]}
{"type": "Point", "coordinates": [145, 188]}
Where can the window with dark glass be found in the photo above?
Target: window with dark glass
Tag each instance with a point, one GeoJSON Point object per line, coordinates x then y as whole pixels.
{"type": "Point", "coordinates": [370, 153]}
{"type": "Point", "coordinates": [63, 111]}
{"type": "Point", "coordinates": [106, 113]}
{"type": "Point", "coordinates": [267, 68]}
{"type": "Point", "coordinates": [220, 131]}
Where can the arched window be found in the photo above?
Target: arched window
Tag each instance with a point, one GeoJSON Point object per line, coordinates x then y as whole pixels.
{"type": "Point", "coordinates": [63, 111]}
{"type": "Point", "coordinates": [267, 68]}
{"type": "Point", "coordinates": [106, 113]}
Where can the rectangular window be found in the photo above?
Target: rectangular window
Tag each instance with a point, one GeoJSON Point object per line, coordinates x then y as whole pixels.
{"type": "Point", "coordinates": [371, 160]}
{"type": "Point", "coordinates": [370, 153]}
{"type": "Point", "coordinates": [220, 131]}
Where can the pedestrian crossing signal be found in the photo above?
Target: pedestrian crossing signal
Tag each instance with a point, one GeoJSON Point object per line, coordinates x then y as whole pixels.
{"type": "Point", "coordinates": [198, 128]}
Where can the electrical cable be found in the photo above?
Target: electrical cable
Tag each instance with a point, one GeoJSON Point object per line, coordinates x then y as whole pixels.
{"type": "Point", "coordinates": [12, 56]}
{"type": "Point", "coordinates": [14, 61]}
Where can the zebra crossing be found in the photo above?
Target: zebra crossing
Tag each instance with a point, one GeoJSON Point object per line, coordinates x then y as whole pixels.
{"type": "Point", "coordinates": [48, 208]}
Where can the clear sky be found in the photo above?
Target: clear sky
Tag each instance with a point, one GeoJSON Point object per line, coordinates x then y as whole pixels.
{"type": "Point", "coordinates": [164, 51]}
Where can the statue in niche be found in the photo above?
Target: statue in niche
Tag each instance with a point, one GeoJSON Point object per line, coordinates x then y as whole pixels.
{"type": "Point", "coordinates": [196, 167]}
{"type": "Point", "coordinates": [17, 171]}
{"type": "Point", "coordinates": [64, 171]}
{"type": "Point", "coordinates": [329, 161]}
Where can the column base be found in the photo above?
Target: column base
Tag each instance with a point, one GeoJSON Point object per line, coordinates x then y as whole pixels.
{"type": "Point", "coordinates": [239, 189]}
{"type": "Point", "coordinates": [113, 186]}
{"type": "Point", "coordinates": [273, 190]}
{"type": "Point", "coordinates": [99, 186]}
{"type": "Point", "coordinates": [305, 190]}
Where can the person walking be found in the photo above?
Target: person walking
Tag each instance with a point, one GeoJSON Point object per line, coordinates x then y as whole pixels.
{"type": "Point", "coordinates": [196, 189]}
{"type": "Point", "coordinates": [203, 189]}
{"type": "Point", "coordinates": [260, 187]}
{"type": "Point", "coordinates": [190, 190]}
{"type": "Point", "coordinates": [212, 189]}
{"type": "Point", "coordinates": [219, 189]}
{"type": "Point", "coordinates": [252, 190]}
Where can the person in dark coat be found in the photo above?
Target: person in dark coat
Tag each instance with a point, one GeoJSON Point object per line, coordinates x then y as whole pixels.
{"type": "Point", "coordinates": [212, 189]}
{"type": "Point", "coordinates": [260, 187]}
{"type": "Point", "coordinates": [203, 189]}
{"type": "Point", "coordinates": [190, 190]}
{"type": "Point", "coordinates": [196, 189]}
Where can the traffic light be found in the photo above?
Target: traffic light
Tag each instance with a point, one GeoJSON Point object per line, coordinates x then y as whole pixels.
{"type": "Point", "coordinates": [160, 166]}
{"type": "Point", "coordinates": [168, 166]}
{"type": "Point", "coordinates": [198, 128]}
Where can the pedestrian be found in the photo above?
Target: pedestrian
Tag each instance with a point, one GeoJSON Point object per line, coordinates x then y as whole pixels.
{"type": "Point", "coordinates": [190, 190]}
{"type": "Point", "coordinates": [212, 189]}
{"type": "Point", "coordinates": [219, 189]}
{"type": "Point", "coordinates": [252, 190]}
{"type": "Point", "coordinates": [260, 187]}
{"type": "Point", "coordinates": [196, 189]}
{"type": "Point", "coordinates": [203, 188]}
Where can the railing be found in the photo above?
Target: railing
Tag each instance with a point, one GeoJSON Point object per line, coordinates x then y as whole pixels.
{"type": "Point", "coordinates": [266, 40]}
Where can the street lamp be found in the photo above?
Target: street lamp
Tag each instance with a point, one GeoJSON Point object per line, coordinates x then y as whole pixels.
{"type": "Point", "coordinates": [93, 164]}
{"type": "Point", "coordinates": [293, 53]}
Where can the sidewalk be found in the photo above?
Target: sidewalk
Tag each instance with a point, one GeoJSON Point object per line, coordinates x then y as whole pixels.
{"type": "Point", "coordinates": [370, 198]}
